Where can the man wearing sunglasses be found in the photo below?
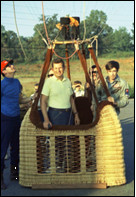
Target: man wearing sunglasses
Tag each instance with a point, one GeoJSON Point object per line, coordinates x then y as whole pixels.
{"type": "Point", "coordinates": [95, 79]}
{"type": "Point", "coordinates": [10, 118]}
{"type": "Point", "coordinates": [94, 75]}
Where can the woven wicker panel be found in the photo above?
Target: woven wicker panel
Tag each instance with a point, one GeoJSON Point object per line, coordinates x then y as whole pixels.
{"type": "Point", "coordinates": [95, 155]}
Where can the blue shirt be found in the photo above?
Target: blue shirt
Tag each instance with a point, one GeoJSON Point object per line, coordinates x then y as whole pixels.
{"type": "Point", "coordinates": [10, 90]}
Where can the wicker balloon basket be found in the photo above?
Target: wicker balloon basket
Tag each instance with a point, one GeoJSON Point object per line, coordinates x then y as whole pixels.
{"type": "Point", "coordinates": [82, 156]}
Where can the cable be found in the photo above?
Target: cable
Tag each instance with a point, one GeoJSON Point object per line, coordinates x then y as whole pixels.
{"type": "Point", "coordinates": [49, 39]}
{"type": "Point", "coordinates": [84, 21]}
{"type": "Point", "coordinates": [45, 25]}
{"type": "Point", "coordinates": [18, 31]}
{"type": "Point", "coordinates": [38, 29]}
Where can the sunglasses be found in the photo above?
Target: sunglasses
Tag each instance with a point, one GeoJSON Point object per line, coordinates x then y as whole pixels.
{"type": "Point", "coordinates": [77, 86]}
{"type": "Point", "coordinates": [94, 72]}
{"type": "Point", "coordinates": [51, 75]}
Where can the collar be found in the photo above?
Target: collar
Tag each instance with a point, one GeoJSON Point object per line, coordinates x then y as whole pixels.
{"type": "Point", "coordinates": [8, 79]}
{"type": "Point", "coordinates": [115, 80]}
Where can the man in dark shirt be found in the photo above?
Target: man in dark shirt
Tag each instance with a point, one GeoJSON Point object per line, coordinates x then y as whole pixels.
{"type": "Point", "coordinates": [10, 118]}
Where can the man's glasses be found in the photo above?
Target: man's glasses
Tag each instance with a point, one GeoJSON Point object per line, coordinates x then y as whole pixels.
{"type": "Point", "coordinates": [51, 75]}
{"type": "Point", "coordinates": [94, 72]}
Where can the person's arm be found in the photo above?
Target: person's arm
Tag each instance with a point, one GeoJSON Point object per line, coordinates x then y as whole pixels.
{"type": "Point", "coordinates": [121, 97]}
{"type": "Point", "coordinates": [124, 96]}
{"type": "Point", "coordinates": [23, 99]}
{"type": "Point", "coordinates": [43, 102]}
{"type": "Point", "coordinates": [77, 120]}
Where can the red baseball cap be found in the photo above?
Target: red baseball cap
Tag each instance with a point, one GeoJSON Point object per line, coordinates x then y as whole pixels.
{"type": "Point", "coordinates": [5, 63]}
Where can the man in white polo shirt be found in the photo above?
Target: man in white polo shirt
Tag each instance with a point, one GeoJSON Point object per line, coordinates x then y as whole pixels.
{"type": "Point", "coordinates": [57, 97]}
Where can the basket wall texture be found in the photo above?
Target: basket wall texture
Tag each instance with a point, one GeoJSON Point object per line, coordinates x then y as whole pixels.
{"type": "Point", "coordinates": [94, 155]}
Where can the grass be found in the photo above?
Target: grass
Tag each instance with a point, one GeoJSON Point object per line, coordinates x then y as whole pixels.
{"type": "Point", "coordinates": [30, 74]}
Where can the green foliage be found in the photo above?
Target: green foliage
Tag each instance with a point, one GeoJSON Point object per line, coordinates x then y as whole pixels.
{"type": "Point", "coordinates": [131, 91]}
{"type": "Point", "coordinates": [118, 54]}
{"type": "Point", "coordinates": [116, 42]}
{"type": "Point", "coordinates": [122, 40]}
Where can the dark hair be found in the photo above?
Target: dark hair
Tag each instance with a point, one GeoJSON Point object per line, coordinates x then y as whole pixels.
{"type": "Point", "coordinates": [112, 64]}
{"type": "Point", "coordinates": [92, 67]}
{"type": "Point", "coordinates": [77, 82]}
{"type": "Point", "coordinates": [57, 61]}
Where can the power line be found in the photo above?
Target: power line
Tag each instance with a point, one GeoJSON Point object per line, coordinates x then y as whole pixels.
{"type": "Point", "coordinates": [36, 11]}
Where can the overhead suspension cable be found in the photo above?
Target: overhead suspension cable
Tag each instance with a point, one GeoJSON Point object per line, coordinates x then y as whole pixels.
{"type": "Point", "coordinates": [84, 21]}
{"type": "Point", "coordinates": [18, 31]}
{"type": "Point", "coordinates": [49, 39]}
{"type": "Point", "coordinates": [37, 28]}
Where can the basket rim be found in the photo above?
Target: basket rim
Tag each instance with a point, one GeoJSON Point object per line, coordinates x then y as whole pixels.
{"type": "Point", "coordinates": [100, 106]}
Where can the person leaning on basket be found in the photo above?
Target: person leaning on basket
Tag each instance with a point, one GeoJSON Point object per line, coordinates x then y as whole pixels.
{"type": "Point", "coordinates": [118, 87]}
{"type": "Point", "coordinates": [10, 118]}
{"type": "Point", "coordinates": [57, 95]}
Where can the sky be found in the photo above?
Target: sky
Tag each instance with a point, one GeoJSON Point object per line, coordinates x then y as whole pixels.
{"type": "Point", "coordinates": [119, 13]}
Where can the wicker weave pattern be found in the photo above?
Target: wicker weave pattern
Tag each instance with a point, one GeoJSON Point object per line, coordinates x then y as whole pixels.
{"type": "Point", "coordinates": [95, 155]}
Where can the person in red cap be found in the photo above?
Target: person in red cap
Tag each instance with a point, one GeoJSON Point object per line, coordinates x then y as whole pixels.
{"type": "Point", "coordinates": [10, 118]}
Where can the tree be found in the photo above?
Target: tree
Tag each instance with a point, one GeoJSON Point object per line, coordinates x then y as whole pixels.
{"type": "Point", "coordinates": [96, 25]}
{"type": "Point", "coordinates": [9, 44]}
{"type": "Point", "coordinates": [132, 37]}
{"type": "Point", "coordinates": [122, 40]}
{"type": "Point", "coordinates": [35, 48]}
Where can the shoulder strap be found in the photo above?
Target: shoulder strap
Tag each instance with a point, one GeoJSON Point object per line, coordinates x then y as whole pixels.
{"type": "Point", "coordinates": [34, 114]}
{"type": "Point", "coordinates": [84, 65]}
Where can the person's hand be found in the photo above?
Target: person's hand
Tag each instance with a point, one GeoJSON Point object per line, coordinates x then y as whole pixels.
{"type": "Point", "coordinates": [87, 85]}
{"type": "Point", "coordinates": [111, 99]}
{"type": "Point", "coordinates": [47, 124]}
{"type": "Point", "coordinates": [77, 120]}
{"type": "Point", "coordinates": [29, 104]}
{"type": "Point", "coordinates": [34, 96]}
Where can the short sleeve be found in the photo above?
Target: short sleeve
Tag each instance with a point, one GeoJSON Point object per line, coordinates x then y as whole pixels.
{"type": "Point", "coordinates": [46, 88]}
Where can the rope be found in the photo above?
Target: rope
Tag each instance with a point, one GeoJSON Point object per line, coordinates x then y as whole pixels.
{"type": "Point", "coordinates": [45, 26]}
{"type": "Point", "coordinates": [18, 31]}
{"type": "Point", "coordinates": [84, 21]}
{"type": "Point", "coordinates": [65, 58]}
{"type": "Point", "coordinates": [46, 32]}
{"type": "Point", "coordinates": [42, 36]}
{"type": "Point", "coordinates": [31, 12]}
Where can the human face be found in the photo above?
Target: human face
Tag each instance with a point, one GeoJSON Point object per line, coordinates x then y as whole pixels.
{"type": "Point", "coordinates": [36, 88]}
{"type": "Point", "coordinates": [94, 73]}
{"type": "Point", "coordinates": [58, 70]}
{"type": "Point", "coordinates": [112, 73]}
{"type": "Point", "coordinates": [78, 87]}
{"type": "Point", "coordinates": [9, 70]}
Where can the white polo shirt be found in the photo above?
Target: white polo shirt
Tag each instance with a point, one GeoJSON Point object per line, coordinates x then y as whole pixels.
{"type": "Point", "coordinates": [58, 91]}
